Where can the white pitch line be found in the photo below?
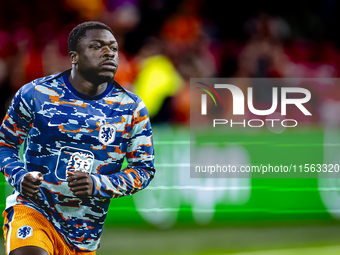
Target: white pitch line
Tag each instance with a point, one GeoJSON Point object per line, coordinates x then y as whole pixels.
{"type": "Point", "coordinates": [171, 142]}
{"type": "Point", "coordinates": [325, 250]}
{"type": "Point", "coordinates": [173, 165]}
{"type": "Point", "coordinates": [195, 188]}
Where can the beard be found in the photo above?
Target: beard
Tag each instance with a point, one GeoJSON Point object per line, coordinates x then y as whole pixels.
{"type": "Point", "coordinates": [96, 77]}
{"type": "Point", "coordinates": [104, 78]}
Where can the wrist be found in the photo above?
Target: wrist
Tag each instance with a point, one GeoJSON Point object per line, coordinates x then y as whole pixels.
{"type": "Point", "coordinates": [93, 186]}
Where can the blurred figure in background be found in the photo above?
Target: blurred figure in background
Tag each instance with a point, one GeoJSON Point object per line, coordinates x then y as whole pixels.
{"type": "Point", "coordinates": [157, 80]}
{"type": "Point", "coordinates": [189, 47]}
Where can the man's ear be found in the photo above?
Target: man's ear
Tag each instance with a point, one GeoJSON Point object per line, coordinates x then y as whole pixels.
{"type": "Point", "coordinates": [74, 57]}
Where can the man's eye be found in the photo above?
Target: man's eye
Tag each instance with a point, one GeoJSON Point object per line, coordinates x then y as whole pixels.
{"type": "Point", "coordinates": [113, 48]}
{"type": "Point", "coordinates": [96, 47]}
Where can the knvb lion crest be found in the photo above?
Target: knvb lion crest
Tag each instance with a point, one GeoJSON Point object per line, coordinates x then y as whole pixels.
{"type": "Point", "coordinates": [24, 232]}
{"type": "Point", "coordinates": [73, 159]}
{"type": "Point", "coordinates": [80, 161]}
{"type": "Point", "coordinates": [107, 134]}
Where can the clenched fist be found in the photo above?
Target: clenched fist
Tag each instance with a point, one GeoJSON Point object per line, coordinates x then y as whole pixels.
{"type": "Point", "coordinates": [30, 184]}
{"type": "Point", "coordinates": [81, 183]}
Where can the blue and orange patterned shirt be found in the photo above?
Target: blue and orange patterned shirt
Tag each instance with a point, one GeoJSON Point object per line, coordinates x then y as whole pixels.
{"type": "Point", "coordinates": [67, 131]}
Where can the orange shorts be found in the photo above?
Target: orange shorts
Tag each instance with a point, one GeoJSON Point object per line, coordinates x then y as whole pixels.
{"type": "Point", "coordinates": [25, 226]}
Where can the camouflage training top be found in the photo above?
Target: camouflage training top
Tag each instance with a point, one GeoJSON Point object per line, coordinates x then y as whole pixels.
{"type": "Point", "coordinates": [65, 130]}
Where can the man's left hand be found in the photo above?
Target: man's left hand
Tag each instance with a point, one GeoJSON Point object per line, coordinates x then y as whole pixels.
{"type": "Point", "coordinates": [81, 183]}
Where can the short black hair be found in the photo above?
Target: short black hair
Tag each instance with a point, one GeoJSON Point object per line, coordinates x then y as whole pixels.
{"type": "Point", "coordinates": [79, 31]}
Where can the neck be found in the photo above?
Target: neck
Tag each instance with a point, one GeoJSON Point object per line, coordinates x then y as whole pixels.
{"type": "Point", "coordinates": [84, 86]}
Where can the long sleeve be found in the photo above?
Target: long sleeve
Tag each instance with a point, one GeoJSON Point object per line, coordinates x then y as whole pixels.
{"type": "Point", "coordinates": [140, 158]}
{"type": "Point", "coordinates": [13, 132]}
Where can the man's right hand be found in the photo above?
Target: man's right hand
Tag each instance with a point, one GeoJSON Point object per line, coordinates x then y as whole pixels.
{"type": "Point", "coordinates": [30, 184]}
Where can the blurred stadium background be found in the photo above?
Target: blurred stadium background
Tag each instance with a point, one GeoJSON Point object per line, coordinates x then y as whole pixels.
{"type": "Point", "coordinates": [162, 44]}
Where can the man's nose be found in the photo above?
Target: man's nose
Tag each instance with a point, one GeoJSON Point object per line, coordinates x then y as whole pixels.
{"type": "Point", "coordinates": [108, 53]}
